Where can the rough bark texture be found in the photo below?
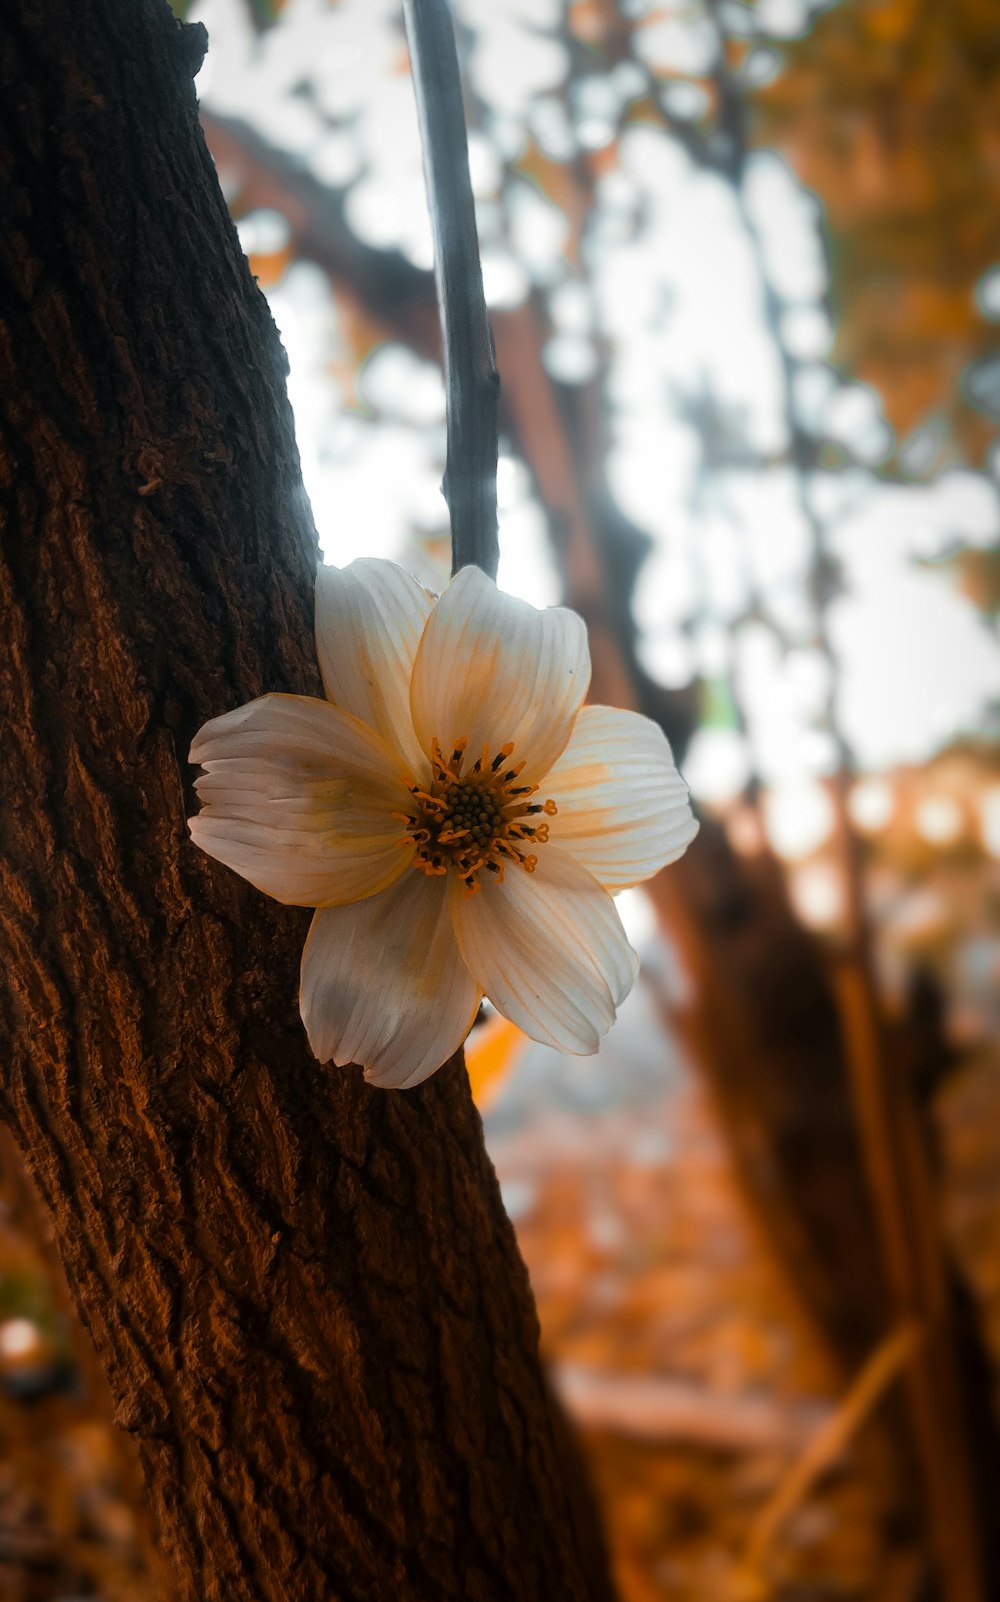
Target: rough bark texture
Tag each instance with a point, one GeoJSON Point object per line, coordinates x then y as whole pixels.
{"type": "Point", "coordinates": [304, 1292]}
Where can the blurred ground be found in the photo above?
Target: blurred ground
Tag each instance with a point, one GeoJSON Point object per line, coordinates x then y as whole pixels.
{"type": "Point", "coordinates": [673, 1338]}
{"type": "Point", "coordinates": [677, 1345]}
{"type": "Point", "coordinates": [67, 1529]}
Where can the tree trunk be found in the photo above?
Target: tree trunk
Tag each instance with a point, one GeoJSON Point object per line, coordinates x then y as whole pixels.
{"type": "Point", "coordinates": [305, 1293]}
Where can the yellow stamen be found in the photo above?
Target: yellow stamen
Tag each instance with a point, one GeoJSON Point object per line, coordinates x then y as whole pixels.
{"type": "Point", "coordinates": [477, 820]}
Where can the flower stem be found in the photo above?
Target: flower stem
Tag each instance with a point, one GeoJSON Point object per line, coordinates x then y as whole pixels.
{"type": "Point", "coordinates": [472, 387]}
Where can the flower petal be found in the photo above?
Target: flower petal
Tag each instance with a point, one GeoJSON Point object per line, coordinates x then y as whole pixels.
{"type": "Point", "coordinates": [383, 984]}
{"type": "Point", "coordinates": [493, 669]}
{"type": "Point", "coordinates": [369, 619]}
{"type": "Point", "coordinates": [549, 950]}
{"type": "Point", "coordinates": [299, 797]}
{"type": "Point", "coordinates": [623, 806]}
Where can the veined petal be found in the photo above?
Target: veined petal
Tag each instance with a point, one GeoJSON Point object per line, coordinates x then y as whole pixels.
{"type": "Point", "coordinates": [299, 798]}
{"type": "Point", "coordinates": [623, 806]}
{"type": "Point", "coordinates": [383, 984]}
{"type": "Point", "coordinates": [549, 950]}
{"type": "Point", "coordinates": [369, 619]}
{"type": "Point", "coordinates": [295, 729]}
{"type": "Point", "coordinates": [493, 669]}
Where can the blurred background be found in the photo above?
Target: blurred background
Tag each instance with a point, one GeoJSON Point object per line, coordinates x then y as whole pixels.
{"type": "Point", "coordinates": [743, 266]}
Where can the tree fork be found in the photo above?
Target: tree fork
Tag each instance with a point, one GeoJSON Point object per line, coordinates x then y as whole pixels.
{"type": "Point", "coordinates": [304, 1292]}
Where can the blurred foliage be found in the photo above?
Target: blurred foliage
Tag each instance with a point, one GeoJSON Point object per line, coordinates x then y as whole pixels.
{"type": "Point", "coordinates": [263, 12]}
{"type": "Point", "coordinates": [887, 109]}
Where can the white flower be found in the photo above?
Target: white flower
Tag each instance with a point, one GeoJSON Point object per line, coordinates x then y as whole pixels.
{"type": "Point", "coordinates": [454, 812]}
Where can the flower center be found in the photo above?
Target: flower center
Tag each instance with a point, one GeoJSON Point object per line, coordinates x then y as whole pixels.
{"type": "Point", "coordinates": [482, 819]}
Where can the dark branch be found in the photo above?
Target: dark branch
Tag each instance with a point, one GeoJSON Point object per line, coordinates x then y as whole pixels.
{"type": "Point", "coordinates": [471, 384]}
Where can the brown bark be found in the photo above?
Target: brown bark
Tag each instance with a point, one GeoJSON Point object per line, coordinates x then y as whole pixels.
{"type": "Point", "coordinates": [304, 1292]}
{"type": "Point", "coordinates": [764, 1021]}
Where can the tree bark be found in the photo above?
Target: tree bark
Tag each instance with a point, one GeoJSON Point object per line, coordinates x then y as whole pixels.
{"type": "Point", "coordinates": [304, 1292]}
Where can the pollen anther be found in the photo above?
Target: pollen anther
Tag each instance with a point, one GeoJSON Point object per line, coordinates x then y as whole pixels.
{"type": "Point", "coordinates": [474, 820]}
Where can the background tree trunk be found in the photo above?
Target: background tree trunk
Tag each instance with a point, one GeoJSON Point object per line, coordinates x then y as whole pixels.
{"type": "Point", "coordinates": [305, 1293]}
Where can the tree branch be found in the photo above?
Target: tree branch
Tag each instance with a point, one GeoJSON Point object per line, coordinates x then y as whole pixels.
{"type": "Point", "coordinates": [471, 384]}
